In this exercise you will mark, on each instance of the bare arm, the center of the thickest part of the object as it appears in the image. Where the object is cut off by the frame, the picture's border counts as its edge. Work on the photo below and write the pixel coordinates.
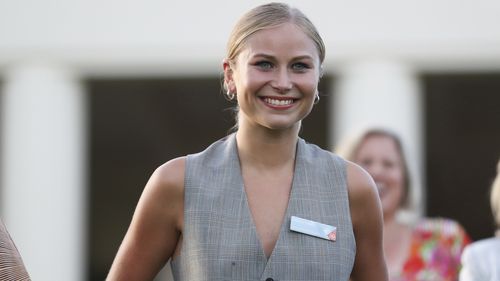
(155, 228)
(367, 221)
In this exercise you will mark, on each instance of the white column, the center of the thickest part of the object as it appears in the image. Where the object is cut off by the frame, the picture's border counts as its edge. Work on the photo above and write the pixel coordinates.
(43, 162)
(382, 93)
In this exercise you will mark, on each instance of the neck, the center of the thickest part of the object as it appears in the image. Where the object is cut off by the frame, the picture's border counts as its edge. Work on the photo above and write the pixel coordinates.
(390, 218)
(390, 222)
(392, 228)
(397, 242)
(266, 148)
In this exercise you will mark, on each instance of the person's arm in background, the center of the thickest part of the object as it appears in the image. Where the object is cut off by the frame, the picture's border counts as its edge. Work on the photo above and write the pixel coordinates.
(11, 263)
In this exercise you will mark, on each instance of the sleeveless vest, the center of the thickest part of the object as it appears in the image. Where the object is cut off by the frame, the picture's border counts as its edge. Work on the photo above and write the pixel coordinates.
(220, 240)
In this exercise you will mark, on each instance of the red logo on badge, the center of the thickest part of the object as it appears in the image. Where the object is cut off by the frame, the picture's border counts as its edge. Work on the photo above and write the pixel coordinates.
(332, 235)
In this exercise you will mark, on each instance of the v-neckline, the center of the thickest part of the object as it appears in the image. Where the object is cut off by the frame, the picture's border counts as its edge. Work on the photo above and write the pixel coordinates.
(284, 220)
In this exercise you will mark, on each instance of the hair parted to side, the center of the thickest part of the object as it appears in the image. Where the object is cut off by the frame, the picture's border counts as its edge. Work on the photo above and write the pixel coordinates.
(350, 147)
(268, 16)
(495, 197)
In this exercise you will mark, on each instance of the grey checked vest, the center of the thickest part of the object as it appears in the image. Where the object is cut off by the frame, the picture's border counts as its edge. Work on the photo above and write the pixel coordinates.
(220, 241)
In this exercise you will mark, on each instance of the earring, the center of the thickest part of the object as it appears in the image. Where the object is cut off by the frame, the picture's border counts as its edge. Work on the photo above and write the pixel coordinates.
(229, 95)
(316, 99)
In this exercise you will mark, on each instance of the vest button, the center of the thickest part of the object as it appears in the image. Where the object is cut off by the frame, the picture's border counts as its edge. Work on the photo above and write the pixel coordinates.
(269, 279)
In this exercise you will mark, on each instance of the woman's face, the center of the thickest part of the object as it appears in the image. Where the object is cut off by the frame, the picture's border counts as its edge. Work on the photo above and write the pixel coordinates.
(275, 77)
(380, 156)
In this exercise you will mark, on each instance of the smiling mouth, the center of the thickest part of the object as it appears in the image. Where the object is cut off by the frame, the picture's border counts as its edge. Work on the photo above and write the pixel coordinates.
(278, 102)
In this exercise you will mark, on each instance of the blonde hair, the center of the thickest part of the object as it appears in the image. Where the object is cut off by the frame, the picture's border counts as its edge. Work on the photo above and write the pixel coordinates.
(495, 197)
(350, 147)
(268, 16)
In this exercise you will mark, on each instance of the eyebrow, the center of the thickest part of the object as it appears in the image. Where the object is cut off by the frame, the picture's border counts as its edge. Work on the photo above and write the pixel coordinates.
(273, 57)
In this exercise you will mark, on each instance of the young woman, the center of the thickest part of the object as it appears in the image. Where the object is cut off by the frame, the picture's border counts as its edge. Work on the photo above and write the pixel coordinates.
(427, 250)
(261, 203)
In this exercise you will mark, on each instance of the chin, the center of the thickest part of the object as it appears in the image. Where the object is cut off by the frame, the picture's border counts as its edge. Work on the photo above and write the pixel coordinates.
(279, 128)
(389, 210)
(281, 125)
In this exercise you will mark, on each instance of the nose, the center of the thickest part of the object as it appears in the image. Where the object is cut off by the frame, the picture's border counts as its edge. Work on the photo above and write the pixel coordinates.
(282, 81)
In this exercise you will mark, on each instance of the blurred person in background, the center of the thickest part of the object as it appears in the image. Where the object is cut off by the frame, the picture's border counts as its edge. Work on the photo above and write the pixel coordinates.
(481, 259)
(11, 263)
(423, 249)
(227, 213)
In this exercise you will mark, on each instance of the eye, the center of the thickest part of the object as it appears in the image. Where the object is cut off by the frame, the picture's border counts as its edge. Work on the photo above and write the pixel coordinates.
(300, 66)
(365, 162)
(389, 164)
(264, 65)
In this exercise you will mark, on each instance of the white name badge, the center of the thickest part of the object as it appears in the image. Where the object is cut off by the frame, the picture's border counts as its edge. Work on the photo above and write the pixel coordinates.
(313, 228)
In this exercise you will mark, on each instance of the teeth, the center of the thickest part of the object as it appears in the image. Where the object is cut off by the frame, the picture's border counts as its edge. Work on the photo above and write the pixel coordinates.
(278, 102)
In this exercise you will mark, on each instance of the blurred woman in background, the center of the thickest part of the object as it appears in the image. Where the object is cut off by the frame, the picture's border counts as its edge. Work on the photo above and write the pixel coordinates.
(427, 249)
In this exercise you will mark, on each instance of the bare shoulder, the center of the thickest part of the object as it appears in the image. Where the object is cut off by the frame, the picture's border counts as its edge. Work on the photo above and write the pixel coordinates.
(156, 226)
(170, 176)
(165, 190)
(360, 184)
(364, 201)
(366, 214)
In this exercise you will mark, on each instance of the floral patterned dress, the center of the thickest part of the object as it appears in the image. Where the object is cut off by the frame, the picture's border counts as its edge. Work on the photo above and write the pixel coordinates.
(435, 249)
